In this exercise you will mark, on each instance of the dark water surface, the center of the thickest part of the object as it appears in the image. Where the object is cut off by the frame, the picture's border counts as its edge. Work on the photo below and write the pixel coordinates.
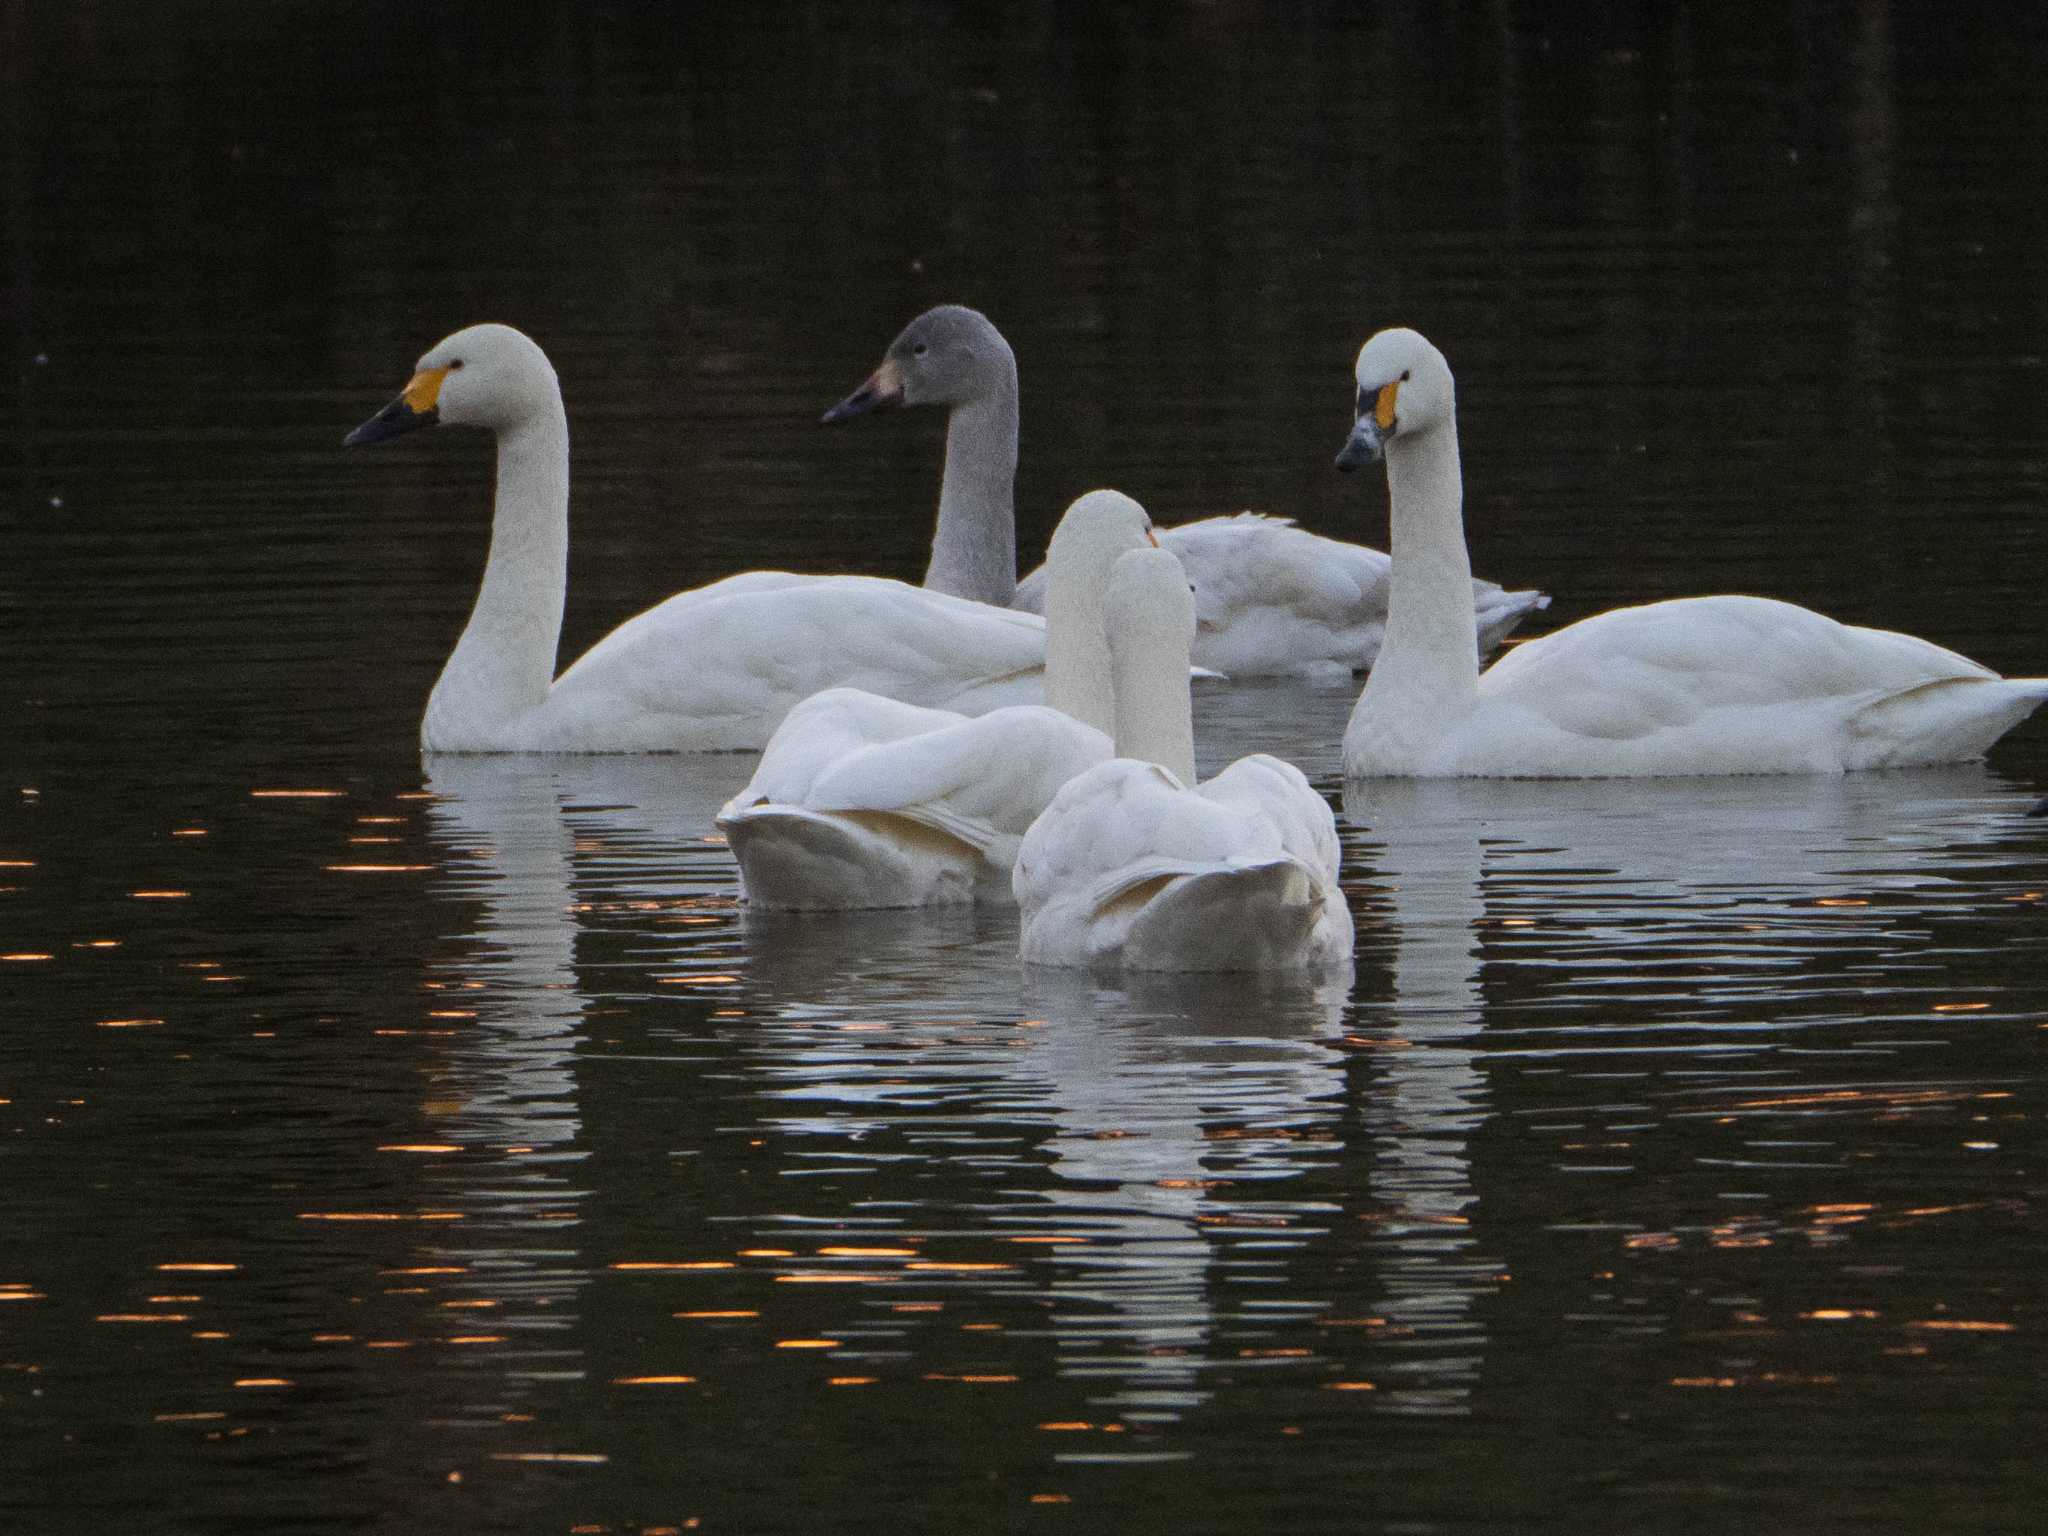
(389, 1146)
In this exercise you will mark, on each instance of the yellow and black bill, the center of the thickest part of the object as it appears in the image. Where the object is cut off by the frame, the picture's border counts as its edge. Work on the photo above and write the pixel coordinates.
(417, 405)
(880, 391)
(1376, 422)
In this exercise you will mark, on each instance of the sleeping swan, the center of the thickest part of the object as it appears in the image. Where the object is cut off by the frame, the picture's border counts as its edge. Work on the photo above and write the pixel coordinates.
(709, 670)
(1271, 599)
(861, 801)
(1698, 685)
(1135, 865)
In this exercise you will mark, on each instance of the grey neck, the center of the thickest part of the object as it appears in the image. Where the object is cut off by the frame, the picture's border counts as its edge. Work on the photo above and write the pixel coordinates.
(974, 550)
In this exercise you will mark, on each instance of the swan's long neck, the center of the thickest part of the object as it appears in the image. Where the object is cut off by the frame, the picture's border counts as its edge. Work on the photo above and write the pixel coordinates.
(1078, 679)
(974, 551)
(1427, 673)
(1154, 709)
(504, 662)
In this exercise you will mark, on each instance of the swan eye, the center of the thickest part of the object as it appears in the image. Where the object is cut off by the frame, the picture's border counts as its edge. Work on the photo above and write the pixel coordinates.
(454, 365)
(919, 350)
(1404, 375)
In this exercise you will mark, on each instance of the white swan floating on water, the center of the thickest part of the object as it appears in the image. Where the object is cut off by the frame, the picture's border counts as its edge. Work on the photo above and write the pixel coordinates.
(1700, 685)
(1271, 599)
(861, 801)
(1135, 865)
(709, 670)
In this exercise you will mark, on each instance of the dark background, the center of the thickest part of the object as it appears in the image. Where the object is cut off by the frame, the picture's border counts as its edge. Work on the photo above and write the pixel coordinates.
(1672, 1164)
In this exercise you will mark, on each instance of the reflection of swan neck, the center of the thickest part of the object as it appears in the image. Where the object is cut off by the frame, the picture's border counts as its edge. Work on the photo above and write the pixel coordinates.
(1434, 863)
(505, 660)
(974, 551)
(1427, 671)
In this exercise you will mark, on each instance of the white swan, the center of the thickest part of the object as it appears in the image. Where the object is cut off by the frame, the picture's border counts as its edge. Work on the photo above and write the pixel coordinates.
(1701, 685)
(861, 801)
(714, 669)
(1133, 864)
(1271, 599)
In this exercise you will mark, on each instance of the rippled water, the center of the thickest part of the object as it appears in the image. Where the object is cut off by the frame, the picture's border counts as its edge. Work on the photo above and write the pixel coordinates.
(389, 1145)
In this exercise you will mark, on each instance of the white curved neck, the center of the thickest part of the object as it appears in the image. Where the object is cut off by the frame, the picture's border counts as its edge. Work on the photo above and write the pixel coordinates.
(504, 662)
(974, 550)
(1426, 676)
(1078, 680)
(1154, 709)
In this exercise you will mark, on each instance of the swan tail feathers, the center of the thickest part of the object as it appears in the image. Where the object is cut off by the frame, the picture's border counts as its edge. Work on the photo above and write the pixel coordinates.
(1500, 614)
(1253, 916)
(794, 859)
(1951, 720)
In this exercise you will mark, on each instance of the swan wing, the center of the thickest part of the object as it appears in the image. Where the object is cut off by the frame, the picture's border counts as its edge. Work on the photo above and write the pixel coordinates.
(1269, 787)
(1124, 817)
(1271, 598)
(977, 777)
(1716, 685)
(1660, 666)
(861, 800)
(1126, 864)
(826, 730)
(718, 668)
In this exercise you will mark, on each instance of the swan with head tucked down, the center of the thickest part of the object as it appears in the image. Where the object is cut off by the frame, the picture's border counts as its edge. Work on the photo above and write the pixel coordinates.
(1699, 685)
(861, 801)
(1135, 865)
(709, 670)
(1271, 599)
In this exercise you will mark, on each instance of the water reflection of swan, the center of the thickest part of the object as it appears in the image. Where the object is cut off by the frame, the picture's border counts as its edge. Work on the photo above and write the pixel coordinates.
(506, 847)
(1641, 862)
(1157, 1094)
(1429, 1099)
(1759, 878)
(505, 1090)
(1154, 1092)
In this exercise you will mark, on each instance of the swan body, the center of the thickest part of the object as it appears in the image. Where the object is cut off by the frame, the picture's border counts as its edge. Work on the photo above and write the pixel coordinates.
(1271, 599)
(717, 668)
(709, 670)
(1134, 864)
(862, 801)
(1704, 685)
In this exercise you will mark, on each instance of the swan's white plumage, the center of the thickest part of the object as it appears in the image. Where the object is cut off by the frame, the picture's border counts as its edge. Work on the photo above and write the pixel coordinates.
(718, 668)
(714, 669)
(1728, 684)
(1129, 867)
(862, 801)
(1707, 685)
(1132, 866)
(1273, 599)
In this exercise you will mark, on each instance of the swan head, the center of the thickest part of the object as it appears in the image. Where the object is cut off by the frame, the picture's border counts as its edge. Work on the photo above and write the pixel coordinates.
(947, 356)
(1094, 529)
(1404, 388)
(485, 376)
